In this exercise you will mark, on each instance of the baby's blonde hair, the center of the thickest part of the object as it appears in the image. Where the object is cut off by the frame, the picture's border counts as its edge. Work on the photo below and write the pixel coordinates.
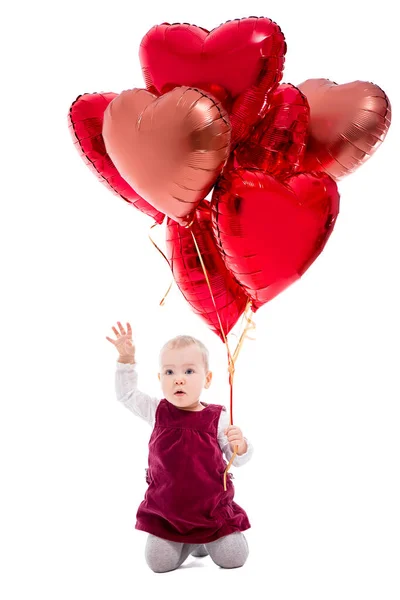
(181, 341)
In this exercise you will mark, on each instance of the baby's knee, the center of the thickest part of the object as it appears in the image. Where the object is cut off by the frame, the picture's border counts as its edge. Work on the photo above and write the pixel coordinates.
(230, 552)
(160, 563)
(234, 561)
(159, 556)
(159, 567)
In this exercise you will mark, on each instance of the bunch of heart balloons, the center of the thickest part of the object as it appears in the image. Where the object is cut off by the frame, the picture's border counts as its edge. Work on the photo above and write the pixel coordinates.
(215, 117)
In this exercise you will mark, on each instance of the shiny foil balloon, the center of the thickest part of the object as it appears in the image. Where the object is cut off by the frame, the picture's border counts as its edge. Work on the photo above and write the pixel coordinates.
(269, 232)
(239, 63)
(278, 143)
(171, 149)
(85, 120)
(348, 123)
(188, 273)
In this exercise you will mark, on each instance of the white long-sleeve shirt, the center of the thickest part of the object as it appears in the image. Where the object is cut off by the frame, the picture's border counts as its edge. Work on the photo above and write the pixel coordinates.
(144, 406)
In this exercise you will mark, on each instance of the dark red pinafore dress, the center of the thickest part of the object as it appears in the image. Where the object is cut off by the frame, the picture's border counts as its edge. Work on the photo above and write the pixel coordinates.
(185, 500)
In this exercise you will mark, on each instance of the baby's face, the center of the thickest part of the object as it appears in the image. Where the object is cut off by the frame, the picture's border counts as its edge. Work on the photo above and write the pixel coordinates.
(183, 369)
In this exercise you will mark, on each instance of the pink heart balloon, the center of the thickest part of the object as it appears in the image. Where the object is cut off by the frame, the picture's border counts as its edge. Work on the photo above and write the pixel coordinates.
(348, 123)
(85, 120)
(170, 149)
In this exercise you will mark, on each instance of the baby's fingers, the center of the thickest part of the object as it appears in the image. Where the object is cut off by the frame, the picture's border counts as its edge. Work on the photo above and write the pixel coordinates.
(122, 330)
(235, 440)
(232, 429)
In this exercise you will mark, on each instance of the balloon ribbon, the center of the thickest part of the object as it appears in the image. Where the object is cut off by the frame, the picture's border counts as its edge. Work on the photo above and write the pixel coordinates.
(231, 359)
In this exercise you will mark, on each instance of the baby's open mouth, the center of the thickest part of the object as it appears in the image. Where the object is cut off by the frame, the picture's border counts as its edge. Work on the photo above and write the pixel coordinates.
(179, 393)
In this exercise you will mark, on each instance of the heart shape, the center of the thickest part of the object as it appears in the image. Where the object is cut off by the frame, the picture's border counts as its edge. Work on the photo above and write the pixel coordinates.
(278, 143)
(170, 149)
(85, 121)
(348, 123)
(240, 61)
(269, 232)
(188, 273)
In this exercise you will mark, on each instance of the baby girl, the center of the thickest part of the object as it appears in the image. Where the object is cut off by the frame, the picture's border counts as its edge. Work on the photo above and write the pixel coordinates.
(185, 509)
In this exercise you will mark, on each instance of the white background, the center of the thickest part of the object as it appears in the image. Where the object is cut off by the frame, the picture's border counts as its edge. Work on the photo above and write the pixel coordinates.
(317, 392)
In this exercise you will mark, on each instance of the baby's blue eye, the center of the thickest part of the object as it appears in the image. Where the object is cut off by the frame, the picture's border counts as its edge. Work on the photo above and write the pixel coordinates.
(169, 371)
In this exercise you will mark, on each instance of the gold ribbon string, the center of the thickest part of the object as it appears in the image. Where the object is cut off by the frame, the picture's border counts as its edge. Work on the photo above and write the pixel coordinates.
(250, 325)
(231, 360)
(162, 253)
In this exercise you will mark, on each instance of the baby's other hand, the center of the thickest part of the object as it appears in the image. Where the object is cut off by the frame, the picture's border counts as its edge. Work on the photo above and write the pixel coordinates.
(236, 438)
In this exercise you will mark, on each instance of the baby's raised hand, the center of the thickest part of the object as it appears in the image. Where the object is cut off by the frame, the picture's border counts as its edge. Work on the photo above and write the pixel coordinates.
(123, 343)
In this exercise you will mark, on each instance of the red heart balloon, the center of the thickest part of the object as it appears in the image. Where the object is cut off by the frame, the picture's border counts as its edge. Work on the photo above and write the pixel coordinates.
(85, 121)
(269, 232)
(188, 273)
(240, 61)
(278, 143)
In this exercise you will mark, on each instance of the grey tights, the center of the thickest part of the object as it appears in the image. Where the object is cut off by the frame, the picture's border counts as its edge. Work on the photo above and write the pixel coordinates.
(228, 552)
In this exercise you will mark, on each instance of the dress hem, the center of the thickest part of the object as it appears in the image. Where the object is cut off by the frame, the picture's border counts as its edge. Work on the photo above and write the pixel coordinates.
(192, 539)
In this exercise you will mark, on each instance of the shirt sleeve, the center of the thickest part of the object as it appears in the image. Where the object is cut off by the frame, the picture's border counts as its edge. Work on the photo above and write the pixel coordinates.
(225, 445)
(142, 405)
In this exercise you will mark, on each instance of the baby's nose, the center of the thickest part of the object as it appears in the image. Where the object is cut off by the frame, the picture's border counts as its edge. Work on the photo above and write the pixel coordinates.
(179, 379)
